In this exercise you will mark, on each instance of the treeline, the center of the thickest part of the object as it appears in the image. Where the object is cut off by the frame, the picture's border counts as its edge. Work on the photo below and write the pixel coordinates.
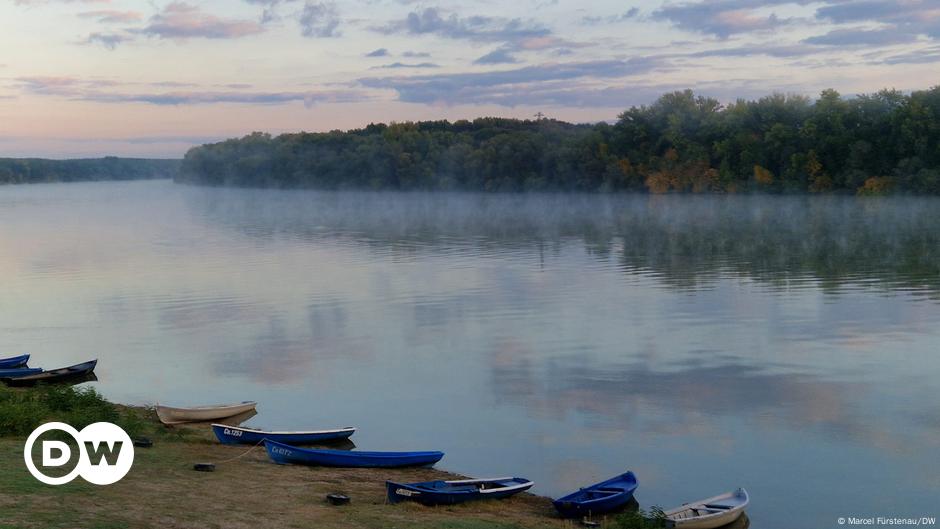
(37, 170)
(870, 144)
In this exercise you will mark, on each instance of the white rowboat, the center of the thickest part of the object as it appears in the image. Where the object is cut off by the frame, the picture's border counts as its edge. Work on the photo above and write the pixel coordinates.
(709, 513)
(171, 415)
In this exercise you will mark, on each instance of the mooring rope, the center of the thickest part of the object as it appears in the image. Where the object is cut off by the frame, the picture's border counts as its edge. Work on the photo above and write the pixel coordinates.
(243, 454)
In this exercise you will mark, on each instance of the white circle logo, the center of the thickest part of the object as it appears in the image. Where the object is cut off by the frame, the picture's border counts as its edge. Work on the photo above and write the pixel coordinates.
(105, 453)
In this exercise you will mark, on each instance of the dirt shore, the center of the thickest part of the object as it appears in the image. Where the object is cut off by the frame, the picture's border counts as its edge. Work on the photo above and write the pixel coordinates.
(163, 491)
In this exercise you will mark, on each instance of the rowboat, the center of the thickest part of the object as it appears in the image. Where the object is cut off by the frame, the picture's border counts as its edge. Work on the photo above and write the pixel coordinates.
(14, 362)
(19, 372)
(54, 376)
(459, 491)
(600, 498)
(709, 513)
(232, 435)
(283, 454)
(170, 415)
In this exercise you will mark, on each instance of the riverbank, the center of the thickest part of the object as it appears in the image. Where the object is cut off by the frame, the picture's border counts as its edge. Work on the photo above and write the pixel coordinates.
(162, 491)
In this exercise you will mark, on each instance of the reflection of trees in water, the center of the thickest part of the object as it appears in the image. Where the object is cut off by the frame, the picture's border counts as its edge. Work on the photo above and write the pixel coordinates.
(684, 240)
(835, 240)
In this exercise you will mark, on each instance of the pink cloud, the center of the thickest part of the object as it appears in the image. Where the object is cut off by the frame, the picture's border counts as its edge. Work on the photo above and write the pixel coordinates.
(180, 20)
(111, 16)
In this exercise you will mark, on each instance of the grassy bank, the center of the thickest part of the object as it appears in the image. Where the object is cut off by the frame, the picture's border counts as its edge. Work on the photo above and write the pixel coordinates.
(162, 490)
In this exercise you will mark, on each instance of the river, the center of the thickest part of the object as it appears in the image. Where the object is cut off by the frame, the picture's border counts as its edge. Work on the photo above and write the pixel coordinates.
(785, 344)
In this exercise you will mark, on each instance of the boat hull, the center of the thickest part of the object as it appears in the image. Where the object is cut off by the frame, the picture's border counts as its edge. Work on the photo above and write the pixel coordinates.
(453, 492)
(14, 362)
(284, 454)
(710, 513)
(600, 498)
(19, 372)
(233, 435)
(78, 372)
(169, 415)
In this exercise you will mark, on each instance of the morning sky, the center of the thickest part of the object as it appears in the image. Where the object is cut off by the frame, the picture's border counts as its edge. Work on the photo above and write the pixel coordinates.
(154, 77)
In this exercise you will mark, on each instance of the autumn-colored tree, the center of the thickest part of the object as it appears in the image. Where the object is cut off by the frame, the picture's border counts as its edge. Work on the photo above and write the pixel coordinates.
(707, 181)
(625, 166)
(763, 176)
(819, 181)
(876, 186)
(658, 183)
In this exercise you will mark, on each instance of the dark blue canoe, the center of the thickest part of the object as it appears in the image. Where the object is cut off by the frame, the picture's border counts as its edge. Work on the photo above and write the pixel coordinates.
(14, 362)
(459, 491)
(600, 498)
(19, 372)
(283, 454)
(233, 435)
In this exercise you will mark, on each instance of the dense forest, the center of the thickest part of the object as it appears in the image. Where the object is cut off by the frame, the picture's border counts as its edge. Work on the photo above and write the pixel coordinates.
(869, 144)
(37, 170)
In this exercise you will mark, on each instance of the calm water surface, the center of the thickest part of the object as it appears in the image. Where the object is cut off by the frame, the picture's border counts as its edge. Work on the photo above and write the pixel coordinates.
(788, 345)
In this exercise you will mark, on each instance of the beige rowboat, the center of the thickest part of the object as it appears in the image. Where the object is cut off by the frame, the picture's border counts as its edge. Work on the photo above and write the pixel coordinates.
(709, 513)
(171, 415)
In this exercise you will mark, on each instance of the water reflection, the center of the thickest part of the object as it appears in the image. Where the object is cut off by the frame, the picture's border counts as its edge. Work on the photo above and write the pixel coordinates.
(685, 241)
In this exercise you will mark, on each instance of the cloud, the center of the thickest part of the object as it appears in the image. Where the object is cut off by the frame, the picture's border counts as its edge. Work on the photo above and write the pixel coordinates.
(416, 54)
(41, 2)
(497, 56)
(431, 21)
(108, 40)
(95, 90)
(180, 20)
(112, 16)
(722, 18)
(922, 56)
(862, 37)
(868, 10)
(633, 12)
(413, 65)
(269, 9)
(381, 52)
(777, 51)
(516, 35)
(48, 85)
(203, 98)
(526, 85)
(914, 16)
(319, 20)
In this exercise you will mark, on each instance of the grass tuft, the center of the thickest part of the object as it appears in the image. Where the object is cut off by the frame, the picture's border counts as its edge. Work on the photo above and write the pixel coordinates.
(652, 519)
(23, 410)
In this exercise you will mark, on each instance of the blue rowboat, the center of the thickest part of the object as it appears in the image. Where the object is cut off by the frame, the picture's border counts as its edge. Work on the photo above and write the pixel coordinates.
(14, 362)
(19, 372)
(283, 454)
(72, 374)
(459, 491)
(600, 498)
(233, 435)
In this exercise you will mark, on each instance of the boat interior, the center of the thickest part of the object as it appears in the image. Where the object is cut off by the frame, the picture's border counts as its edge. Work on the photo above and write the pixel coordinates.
(695, 511)
(594, 494)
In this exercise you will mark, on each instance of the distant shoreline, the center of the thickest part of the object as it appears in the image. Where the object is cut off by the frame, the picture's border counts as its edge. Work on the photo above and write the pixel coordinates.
(874, 144)
(43, 170)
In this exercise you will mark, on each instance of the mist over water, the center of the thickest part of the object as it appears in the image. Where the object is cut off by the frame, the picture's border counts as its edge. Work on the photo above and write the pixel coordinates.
(784, 344)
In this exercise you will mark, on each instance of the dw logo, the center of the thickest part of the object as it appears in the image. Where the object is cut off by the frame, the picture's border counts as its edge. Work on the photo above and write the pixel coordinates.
(105, 453)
